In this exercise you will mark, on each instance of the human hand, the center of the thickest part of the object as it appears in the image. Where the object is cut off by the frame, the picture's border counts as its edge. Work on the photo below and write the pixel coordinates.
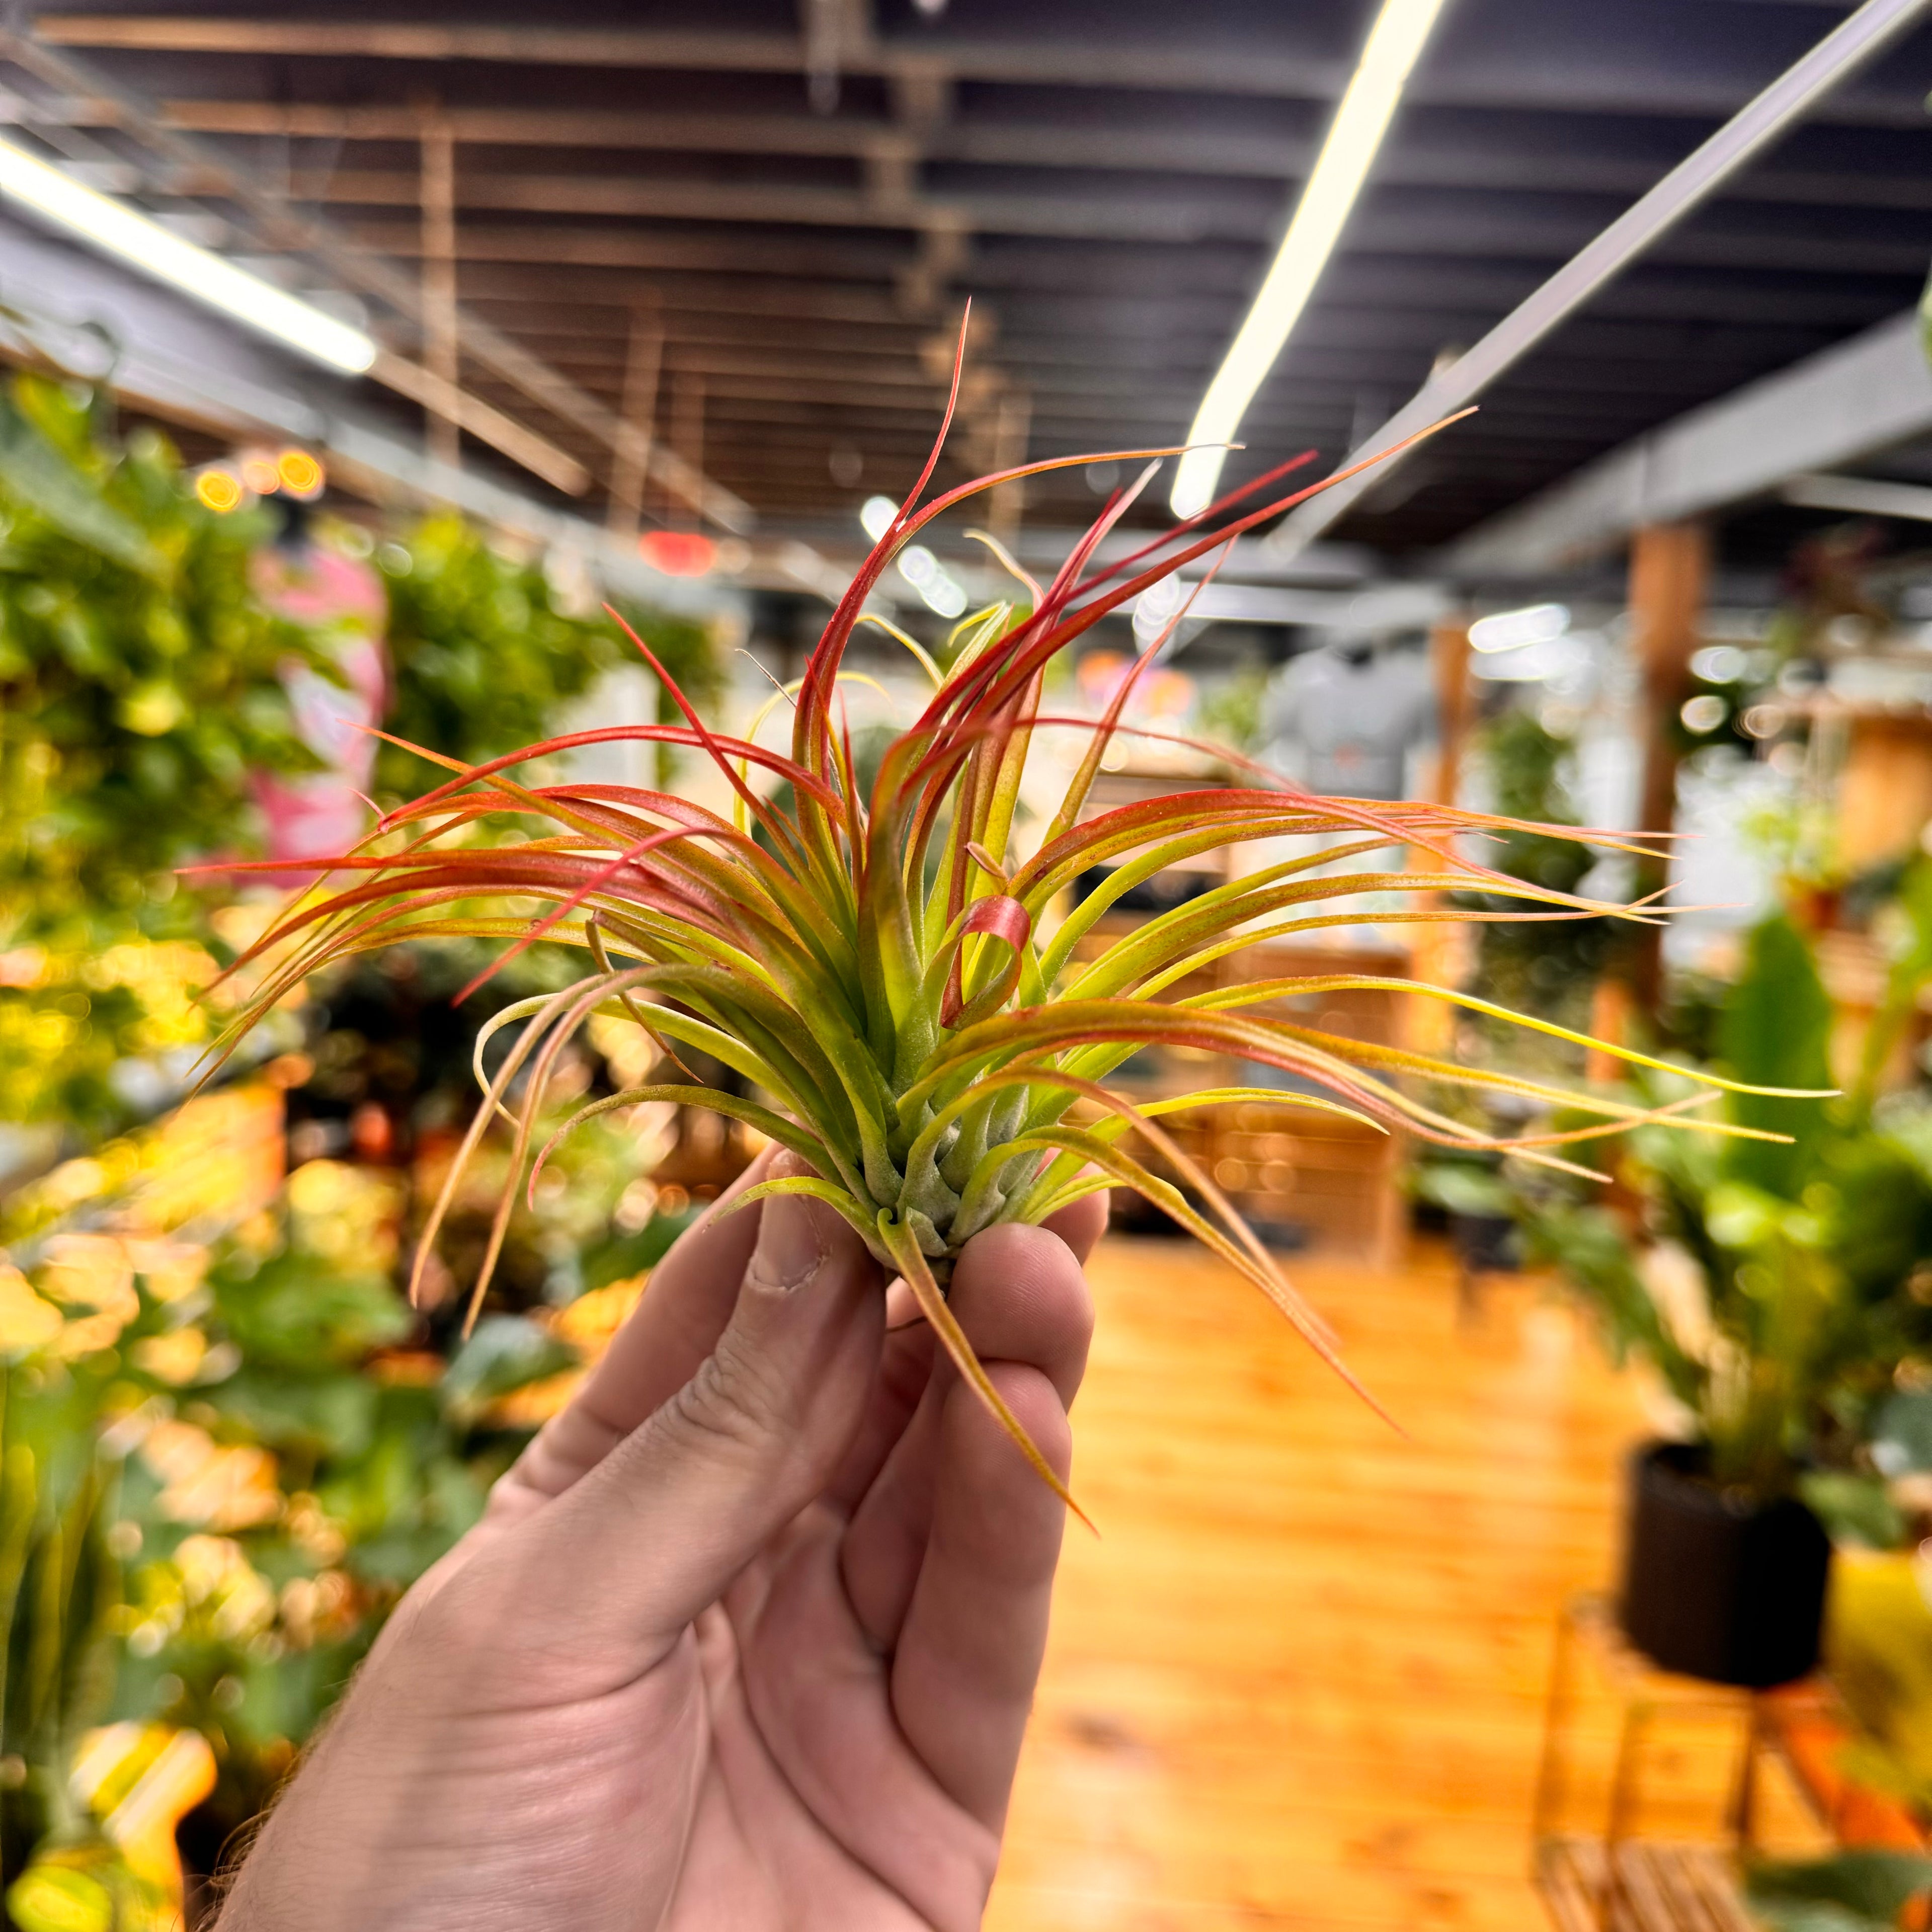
(748, 1637)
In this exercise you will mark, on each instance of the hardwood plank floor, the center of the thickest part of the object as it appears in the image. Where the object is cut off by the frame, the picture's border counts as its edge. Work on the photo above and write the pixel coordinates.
(1297, 1680)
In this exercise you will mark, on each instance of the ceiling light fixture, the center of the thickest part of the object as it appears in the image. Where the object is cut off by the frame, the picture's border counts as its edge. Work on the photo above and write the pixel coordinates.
(1394, 44)
(120, 229)
(1510, 630)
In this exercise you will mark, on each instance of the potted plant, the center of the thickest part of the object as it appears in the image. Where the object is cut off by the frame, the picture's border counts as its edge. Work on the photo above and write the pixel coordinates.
(1770, 1283)
(1546, 968)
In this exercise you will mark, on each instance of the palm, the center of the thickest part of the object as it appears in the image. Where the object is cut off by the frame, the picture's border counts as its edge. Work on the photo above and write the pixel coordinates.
(824, 1736)
(798, 1823)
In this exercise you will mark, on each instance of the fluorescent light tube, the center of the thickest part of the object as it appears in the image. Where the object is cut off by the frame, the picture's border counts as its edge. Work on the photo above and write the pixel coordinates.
(1394, 44)
(121, 230)
(1511, 630)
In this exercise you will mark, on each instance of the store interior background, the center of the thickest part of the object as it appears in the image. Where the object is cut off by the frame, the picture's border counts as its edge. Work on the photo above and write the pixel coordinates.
(667, 300)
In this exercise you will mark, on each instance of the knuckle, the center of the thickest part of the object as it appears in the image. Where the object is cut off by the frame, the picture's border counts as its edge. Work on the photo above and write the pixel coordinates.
(1037, 1406)
(733, 1401)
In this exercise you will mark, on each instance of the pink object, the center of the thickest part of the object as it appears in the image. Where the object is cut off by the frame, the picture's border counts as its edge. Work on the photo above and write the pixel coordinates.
(311, 814)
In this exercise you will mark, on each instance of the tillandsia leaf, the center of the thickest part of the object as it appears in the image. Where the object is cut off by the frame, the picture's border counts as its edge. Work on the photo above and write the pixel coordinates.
(917, 1272)
(919, 993)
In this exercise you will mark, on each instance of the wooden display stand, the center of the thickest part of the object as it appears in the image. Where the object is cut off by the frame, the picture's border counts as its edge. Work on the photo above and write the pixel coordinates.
(1336, 1183)
(1777, 1755)
(1302, 1177)
(1884, 787)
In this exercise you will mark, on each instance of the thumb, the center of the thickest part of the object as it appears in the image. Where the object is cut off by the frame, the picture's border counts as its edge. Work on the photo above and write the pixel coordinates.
(666, 1519)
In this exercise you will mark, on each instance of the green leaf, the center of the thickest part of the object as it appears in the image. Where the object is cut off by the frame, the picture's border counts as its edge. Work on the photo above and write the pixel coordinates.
(31, 468)
(1901, 1433)
(1853, 1508)
(329, 1415)
(620, 1256)
(1774, 1031)
(1853, 1889)
(505, 1353)
(1462, 1188)
(58, 1898)
(298, 1312)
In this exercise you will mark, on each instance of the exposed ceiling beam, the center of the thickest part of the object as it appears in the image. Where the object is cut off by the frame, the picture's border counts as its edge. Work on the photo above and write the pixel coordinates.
(1831, 410)
(1174, 335)
(1057, 288)
(755, 302)
(1369, 297)
(1167, 220)
(1058, 366)
(1386, 227)
(554, 243)
(1275, 159)
(1095, 62)
(1091, 60)
(1485, 236)
(1860, 496)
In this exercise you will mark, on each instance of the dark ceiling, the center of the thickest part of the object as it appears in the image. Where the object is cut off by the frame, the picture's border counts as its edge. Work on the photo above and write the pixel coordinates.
(797, 197)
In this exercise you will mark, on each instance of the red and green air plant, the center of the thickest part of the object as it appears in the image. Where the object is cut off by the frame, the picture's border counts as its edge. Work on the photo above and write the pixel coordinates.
(883, 968)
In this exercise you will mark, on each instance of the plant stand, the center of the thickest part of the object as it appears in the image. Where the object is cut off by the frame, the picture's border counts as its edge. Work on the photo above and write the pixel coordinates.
(1621, 1876)
(1643, 1885)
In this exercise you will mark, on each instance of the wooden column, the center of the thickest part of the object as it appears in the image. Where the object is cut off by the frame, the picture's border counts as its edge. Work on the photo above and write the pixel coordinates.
(643, 362)
(1439, 954)
(1669, 577)
(441, 356)
(1449, 658)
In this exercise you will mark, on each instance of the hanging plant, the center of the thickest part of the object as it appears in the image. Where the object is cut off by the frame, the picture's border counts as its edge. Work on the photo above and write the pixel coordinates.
(875, 961)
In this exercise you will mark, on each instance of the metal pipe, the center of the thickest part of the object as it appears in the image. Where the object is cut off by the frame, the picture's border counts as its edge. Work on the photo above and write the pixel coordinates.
(1835, 59)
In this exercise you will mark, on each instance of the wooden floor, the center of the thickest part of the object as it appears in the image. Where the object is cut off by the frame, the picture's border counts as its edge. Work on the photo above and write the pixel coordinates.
(1296, 1681)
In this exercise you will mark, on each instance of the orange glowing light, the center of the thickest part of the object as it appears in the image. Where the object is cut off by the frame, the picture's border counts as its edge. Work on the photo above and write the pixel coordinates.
(260, 475)
(301, 474)
(220, 490)
(678, 553)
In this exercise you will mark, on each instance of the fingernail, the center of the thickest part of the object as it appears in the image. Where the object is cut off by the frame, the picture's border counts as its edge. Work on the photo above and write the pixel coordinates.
(789, 1250)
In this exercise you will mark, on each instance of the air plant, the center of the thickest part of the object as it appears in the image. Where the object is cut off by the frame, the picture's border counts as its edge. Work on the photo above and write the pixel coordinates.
(882, 966)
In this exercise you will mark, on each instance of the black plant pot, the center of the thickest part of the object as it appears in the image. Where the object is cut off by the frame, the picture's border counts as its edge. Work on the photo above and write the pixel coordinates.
(1484, 1243)
(1717, 1586)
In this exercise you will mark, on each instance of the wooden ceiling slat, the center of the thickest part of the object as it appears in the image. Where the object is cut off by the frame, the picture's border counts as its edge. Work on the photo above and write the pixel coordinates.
(1280, 162)
(1307, 56)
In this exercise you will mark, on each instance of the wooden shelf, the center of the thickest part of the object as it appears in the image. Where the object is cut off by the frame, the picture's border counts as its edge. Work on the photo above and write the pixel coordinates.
(1644, 1885)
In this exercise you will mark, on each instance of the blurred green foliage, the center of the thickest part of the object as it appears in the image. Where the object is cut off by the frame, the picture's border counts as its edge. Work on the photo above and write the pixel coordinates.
(139, 688)
(483, 654)
(214, 1487)
(1855, 1890)
(1546, 968)
(59, 1588)
(138, 669)
(216, 1493)
(1232, 708)
(1777, 1288)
